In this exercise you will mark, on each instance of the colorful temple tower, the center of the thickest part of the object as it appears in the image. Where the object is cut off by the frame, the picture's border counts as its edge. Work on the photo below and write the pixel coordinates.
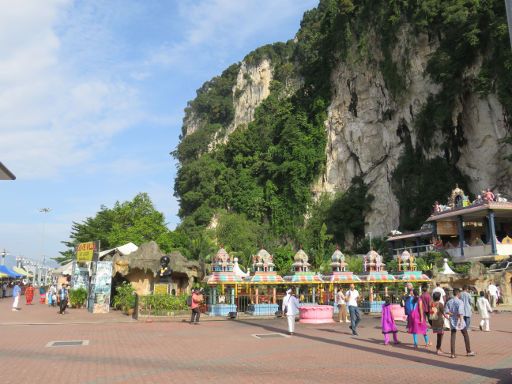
(222, 282)
(265, 278)
(303, 276)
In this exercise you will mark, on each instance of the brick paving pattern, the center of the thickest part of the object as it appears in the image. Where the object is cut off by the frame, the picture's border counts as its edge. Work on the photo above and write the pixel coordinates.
(122, 350)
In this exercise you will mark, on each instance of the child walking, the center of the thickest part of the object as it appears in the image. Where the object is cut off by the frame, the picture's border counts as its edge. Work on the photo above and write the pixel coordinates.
(437, 317)
(484, 308)
(388, 322)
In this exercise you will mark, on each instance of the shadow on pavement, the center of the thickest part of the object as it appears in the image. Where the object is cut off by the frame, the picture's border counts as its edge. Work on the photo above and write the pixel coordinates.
(503, 375)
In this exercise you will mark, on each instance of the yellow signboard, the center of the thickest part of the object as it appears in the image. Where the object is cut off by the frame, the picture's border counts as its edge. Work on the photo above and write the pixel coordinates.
(161, 289)
(85, 251)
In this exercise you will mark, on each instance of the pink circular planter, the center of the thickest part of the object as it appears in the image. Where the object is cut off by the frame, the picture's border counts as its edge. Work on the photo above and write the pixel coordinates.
(316, 314)
(398, 312)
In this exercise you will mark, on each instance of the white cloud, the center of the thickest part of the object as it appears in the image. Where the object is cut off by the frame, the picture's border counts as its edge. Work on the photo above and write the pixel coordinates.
(53, 115)
(222, 25)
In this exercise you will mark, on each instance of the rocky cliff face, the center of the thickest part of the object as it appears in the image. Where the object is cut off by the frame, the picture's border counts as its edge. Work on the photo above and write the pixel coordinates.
(363, 124)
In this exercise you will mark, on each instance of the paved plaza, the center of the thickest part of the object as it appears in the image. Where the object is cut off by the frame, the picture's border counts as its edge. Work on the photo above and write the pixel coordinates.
(121, 350)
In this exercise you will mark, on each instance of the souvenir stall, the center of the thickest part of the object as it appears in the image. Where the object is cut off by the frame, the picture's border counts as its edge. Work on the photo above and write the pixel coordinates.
(223, 284)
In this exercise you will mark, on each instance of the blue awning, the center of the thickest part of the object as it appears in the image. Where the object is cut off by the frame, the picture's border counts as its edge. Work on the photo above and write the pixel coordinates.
(9, 272)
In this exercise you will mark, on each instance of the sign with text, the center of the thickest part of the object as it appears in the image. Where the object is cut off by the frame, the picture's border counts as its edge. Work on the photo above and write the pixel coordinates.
(87, 252)
(447, 228)
(161, 289)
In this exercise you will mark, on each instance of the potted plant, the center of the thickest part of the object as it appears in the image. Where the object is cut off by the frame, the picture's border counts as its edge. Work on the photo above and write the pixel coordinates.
(77, 297)
(124, 298)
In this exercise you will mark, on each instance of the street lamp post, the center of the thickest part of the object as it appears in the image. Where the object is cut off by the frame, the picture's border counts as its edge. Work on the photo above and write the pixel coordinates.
(4, 253)
(45, 211)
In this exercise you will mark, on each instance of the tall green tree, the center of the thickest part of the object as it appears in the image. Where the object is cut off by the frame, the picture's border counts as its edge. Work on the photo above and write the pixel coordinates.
(135, 221)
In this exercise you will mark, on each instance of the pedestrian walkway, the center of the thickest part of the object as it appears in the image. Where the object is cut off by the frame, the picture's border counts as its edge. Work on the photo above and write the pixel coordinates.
(119, 350)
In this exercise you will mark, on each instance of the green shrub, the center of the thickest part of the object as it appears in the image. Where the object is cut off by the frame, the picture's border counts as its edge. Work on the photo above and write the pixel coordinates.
(125, 297)
(164, 303)
(77, 297)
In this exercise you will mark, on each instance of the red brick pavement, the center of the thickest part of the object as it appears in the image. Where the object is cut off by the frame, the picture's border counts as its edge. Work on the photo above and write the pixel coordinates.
(125, 351)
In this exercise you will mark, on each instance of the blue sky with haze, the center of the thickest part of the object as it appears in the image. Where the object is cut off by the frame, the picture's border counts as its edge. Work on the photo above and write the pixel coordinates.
(92, 96)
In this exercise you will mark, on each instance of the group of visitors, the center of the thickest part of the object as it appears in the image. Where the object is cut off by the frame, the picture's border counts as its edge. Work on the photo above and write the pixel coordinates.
(53, 297)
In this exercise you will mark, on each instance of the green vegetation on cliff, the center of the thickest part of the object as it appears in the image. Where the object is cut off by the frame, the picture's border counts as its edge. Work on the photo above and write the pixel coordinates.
(263, 174)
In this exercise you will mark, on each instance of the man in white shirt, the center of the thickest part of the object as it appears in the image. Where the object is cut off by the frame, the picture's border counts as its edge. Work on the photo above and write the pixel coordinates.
(291, 307)
(493, 294)
(351, 298)
(441, 291)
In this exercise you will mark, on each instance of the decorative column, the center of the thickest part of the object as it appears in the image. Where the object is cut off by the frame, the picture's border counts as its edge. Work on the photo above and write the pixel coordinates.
(460, 222)
(297, 292)
(210, 296)
(434, 228)
(214, 295)
(232, 296)
(386, 290)
(492, 232)
(256, 296)
(313, 291)
(371, 294)
(274, 295)
(417, 247)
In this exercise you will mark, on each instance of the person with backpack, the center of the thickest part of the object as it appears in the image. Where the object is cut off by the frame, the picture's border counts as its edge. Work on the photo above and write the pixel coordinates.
(194, 302)
(437, 317)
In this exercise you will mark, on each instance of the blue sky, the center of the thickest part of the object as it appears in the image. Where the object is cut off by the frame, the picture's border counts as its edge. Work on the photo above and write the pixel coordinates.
(92, 96)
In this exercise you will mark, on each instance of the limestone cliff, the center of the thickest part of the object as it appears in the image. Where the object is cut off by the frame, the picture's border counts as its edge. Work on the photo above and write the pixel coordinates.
(396, 93)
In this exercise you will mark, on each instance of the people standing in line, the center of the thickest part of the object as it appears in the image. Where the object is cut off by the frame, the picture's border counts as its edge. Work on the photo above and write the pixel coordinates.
(437, 317)
(29, 294)
(484, 308)
(63, 298)
(16, 293)
(342, 307)
(417, 323)
(387, 322)
(466, 298)
(493, 294)
(427, 301)
(351, 297)
(291, 308)
(455, 309)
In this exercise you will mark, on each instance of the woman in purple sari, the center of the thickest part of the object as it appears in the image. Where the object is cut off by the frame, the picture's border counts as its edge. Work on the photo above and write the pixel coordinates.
(388, 322)
(417, 323)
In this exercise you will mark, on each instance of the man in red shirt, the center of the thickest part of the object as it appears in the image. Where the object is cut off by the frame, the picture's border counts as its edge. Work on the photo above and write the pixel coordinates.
(197, 299)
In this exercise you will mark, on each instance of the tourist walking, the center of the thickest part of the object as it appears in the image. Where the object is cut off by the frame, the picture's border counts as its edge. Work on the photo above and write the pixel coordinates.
(351, 297)
(29, 294)
(197, 299)
(484, 308)
(291, 308)
(416, 321)
(442, 300)
(455, 309)
(437, 317)
(493, 294)
(427, 301)
(63, 298)
(387, 322)
(42, 295)
(52, 295)
(16, 293)
(4, 289)
(466, 298)
(342, 307)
